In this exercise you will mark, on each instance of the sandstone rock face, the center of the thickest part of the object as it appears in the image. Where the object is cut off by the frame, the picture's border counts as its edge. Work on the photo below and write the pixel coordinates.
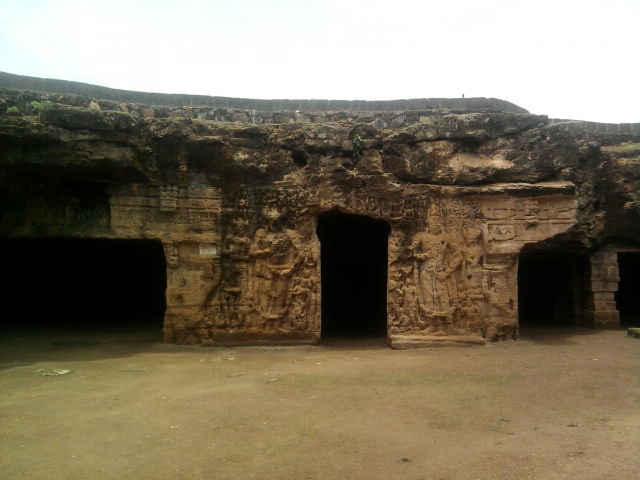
(236, 203)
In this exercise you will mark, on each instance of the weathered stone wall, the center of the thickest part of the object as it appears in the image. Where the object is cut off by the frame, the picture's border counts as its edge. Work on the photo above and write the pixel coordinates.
(246, 268)
(235, 206)
(378, 114)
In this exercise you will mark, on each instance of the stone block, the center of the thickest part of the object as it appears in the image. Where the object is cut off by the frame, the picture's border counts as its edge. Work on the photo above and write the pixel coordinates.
(602, 286)
(603, 297)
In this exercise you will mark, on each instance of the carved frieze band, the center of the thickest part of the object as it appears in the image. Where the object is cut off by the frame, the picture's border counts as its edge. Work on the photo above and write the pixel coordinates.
(157, 206)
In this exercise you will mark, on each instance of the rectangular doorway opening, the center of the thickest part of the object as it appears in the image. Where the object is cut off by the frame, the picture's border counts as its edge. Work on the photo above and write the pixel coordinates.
(628, 294)
(354, 275)
(551, 289)
(83, 284)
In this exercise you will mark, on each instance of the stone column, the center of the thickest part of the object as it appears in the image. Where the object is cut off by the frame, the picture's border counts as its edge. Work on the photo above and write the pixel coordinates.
(601, 310)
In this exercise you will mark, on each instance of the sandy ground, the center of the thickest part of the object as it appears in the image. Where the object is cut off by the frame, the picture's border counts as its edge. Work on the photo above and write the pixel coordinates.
(561, 404)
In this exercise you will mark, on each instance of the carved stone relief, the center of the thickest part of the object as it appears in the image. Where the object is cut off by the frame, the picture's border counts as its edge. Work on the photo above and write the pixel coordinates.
(270, 281)
(247, 267)
(456, 276)
(234, 205)
(438, 274)
(165, 211)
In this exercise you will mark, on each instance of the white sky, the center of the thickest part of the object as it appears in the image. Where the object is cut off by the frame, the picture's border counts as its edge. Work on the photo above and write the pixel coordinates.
(563, 58)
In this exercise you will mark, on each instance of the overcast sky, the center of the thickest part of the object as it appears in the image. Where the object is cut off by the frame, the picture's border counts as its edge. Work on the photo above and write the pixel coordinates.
(563, 58)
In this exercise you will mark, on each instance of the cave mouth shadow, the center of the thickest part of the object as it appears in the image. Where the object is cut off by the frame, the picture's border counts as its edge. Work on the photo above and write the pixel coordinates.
(552, 289)
(69, 294)
(628, 294)
(354, 267)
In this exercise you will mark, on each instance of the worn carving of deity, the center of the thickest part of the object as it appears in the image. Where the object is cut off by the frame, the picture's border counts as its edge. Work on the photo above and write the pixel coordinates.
(436, 259)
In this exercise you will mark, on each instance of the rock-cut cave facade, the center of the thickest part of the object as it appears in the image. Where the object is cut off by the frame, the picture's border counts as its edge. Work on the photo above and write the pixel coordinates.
(465, 191)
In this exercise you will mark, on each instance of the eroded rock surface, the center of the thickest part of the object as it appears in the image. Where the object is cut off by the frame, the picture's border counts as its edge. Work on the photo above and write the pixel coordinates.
(235, 204)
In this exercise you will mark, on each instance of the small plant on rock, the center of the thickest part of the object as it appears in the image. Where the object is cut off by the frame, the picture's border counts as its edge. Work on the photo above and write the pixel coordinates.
(13, 111)
(38, 107)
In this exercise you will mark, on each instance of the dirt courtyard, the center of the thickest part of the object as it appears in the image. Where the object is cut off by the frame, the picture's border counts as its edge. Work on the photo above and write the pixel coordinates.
(558, 404)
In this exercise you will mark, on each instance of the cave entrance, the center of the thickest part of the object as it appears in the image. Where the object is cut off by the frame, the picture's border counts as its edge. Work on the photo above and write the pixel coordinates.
(82, 284)
(354, 275)
(628, 294)
(552, 288)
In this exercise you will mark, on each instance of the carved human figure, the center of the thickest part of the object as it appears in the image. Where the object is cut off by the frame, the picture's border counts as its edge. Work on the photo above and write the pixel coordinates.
(473, 251)
(394, 296)
(284, 260)
(226, 288)
(236, 242)
(259, 271)
(274, 258)
(403, 307)
(302, 302)
(436, 259)
(409, 298)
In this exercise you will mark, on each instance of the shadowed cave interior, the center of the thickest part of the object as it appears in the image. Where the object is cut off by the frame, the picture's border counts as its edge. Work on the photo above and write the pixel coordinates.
(83, 283)
(628, 294)
(551, 288)
(354, 275)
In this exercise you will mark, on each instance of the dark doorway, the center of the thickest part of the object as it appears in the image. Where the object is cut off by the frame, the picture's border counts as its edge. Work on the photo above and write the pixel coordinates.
(628, 295)
(551, 288)
(354, 275)
(82, 284)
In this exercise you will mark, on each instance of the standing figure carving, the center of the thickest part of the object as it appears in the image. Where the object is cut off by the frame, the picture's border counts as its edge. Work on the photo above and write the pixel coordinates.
(436, 259)
(234, 251)
(274, 257)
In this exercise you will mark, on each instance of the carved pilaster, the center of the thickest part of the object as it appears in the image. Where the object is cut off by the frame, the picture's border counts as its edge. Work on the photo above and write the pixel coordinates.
(601, 311)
